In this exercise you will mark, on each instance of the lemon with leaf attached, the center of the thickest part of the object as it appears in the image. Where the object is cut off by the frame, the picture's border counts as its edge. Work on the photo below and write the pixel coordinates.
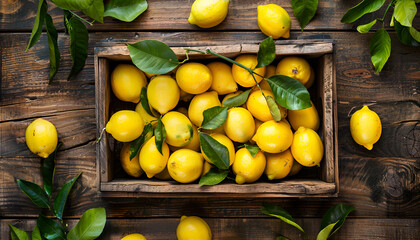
(242, 76)
(41, 137)
(199, 104)
(225, 141)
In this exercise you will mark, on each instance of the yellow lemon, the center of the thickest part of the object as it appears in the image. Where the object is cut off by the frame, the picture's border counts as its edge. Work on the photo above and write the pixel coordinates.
(185, 165)
(194, 144)
(134, 236)
(295, 67)
(179, 130)
(365, 127)
(273, 21)
(163, 93)
(258, 107)
(206, 168)
(41, 137)
(273, 137)
(164, 175)
(208, 13)
(311, 79)
(151, 160)
(147, 118)
(193, 228)
(239, 125)
(278, 165)
(127, 82)
(296, 167)
(125, 125)
(131, 167)
(248, 169)
(199, 104)
(242, 76)
(304, 118)
(307, 147)
(194, 78)
(225, 141)
(223, 82)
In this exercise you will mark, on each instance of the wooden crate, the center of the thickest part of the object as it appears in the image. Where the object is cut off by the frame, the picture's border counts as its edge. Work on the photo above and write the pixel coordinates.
(323, 94)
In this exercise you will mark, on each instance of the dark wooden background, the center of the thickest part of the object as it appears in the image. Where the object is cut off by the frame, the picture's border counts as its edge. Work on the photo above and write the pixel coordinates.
(382, 184)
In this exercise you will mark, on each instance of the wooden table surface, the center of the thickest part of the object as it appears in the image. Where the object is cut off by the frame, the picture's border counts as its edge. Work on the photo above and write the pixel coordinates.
(382, 184)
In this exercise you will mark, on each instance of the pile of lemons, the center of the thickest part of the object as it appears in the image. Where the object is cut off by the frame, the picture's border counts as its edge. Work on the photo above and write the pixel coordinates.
(179, 100)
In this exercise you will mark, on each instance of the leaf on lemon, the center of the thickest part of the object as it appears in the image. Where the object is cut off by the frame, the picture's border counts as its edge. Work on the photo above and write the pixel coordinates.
(160, 135)
(237, 100)
(289, 92)
(274, 108)
(215, 151)
(213, 176)
(214, 117)
(266, 52)
(136, 145)
(253, 150)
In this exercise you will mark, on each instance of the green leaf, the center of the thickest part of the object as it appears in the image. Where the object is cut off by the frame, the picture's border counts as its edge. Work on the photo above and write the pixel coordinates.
(39, 21)
(336, 215)
(17, 234)
(95, 10)
(289, 92)
(304, 11)
(213, 177)
(50, 229)
(237, 100)
(37, 195)
(380, 49)
(266, 52)
(144, 102)
(61, 198)
(366, 27)
(404, 35)
(214, 117)
(48, 171)
(136, 145)
(52, 46)
(153, 57)
(90, 225)
(252, 149)
(160, 135)
(79, 42)
(215, 151)
(274, 108)
(325, 232)
(125, 10)
(405, 11)
(366, 6)
(415, 34)
(36, 234)
(73, 4)
(278, 212)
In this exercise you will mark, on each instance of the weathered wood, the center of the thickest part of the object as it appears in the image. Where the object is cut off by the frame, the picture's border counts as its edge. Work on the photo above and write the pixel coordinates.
(245, 228)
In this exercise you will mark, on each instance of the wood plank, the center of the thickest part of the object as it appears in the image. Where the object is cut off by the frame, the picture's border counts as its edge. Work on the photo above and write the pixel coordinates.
(173, 15)
(244, 228)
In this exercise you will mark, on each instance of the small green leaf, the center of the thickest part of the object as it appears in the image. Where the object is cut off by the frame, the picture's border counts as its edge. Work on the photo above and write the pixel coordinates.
(36, 234)
(153, 57)
(366, 27)
(37, 195)
(252, 149)
(266, 52)
(237, 100)
(73, 4)
(214, 117)
(61, 198)
(325, 232)
(415, 34)
(90, 225)
(125, 10)
(405, 11)
(215, 151)
(274, 108)
(95, 10)
(136, 145)
(144, 101)
(336, 215)
(366, 6)
(380, 49)
(79, 42)
(278, 212)
(160, 135)
(48, 171)
(52, 46)
(289, 92)
(404, 35)
(17, 234)
(50, 229)
(213, 177)
(304, 11)
(39, 21)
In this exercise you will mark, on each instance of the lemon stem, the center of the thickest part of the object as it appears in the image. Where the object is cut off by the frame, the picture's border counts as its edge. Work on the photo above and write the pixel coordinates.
(100, 136)
(187, 57)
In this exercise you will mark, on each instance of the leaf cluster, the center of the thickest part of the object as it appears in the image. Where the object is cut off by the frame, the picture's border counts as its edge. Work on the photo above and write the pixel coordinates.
(89, 227)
